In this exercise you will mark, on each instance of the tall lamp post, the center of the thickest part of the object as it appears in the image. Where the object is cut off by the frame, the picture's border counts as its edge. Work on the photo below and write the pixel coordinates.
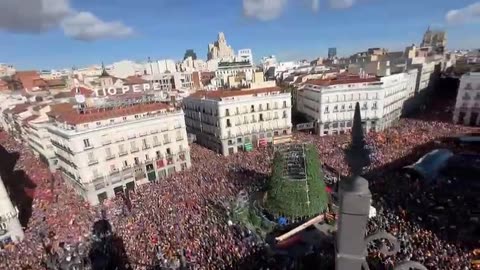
(355, 199)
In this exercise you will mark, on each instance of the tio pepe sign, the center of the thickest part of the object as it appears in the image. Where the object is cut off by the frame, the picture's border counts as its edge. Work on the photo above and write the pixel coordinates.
(135, 88)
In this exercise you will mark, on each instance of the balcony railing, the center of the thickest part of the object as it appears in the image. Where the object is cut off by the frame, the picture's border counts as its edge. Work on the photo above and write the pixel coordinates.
(134, 150)
(114, 172)
(167, 141)
(179, 138)
(122, 153)
(155, 144)
(146, 146)
(110, 157)
(92, 162)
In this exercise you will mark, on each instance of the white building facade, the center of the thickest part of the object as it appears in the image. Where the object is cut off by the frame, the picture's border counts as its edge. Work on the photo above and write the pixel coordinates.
(230, 121)
(107, 152)
(331, 103)
(467, 106)
(234, 74)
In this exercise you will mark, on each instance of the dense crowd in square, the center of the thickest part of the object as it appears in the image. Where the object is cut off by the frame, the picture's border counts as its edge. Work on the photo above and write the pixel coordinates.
(177, 220)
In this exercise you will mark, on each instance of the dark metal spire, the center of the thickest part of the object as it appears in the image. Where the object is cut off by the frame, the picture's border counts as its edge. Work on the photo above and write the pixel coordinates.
(357, 155)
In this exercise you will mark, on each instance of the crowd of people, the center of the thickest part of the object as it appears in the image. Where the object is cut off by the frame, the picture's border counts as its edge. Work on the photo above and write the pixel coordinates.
(178, 218)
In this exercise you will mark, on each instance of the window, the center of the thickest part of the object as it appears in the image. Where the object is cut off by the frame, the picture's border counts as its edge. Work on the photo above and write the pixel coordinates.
(468, 86)
(228, 123)
(343, 107)
(227, 112)
(252, 108)
(466, 97)
(335, 108)
(121, 148)
(124, 118)
(350, 107)
(374, 105)
(99, 123)
(275, 115)
(159, 155)
(147, 157)
(133, 145)
(108, 152)
(284, 104)
(165, 138)
(261, 117)
(95, 173)
(91, 157)
(285, 115)
(136, 161)
(268, 106)
(125, 163)
(169, 152)
(239, 140)
(86, 143)
(155, 140)
(326, 109)
(144, 143)
(112, 121)
(237, 111)
(245, 119)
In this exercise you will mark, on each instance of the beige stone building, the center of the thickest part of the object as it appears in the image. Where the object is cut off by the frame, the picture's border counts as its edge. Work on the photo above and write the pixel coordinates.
(220, 49)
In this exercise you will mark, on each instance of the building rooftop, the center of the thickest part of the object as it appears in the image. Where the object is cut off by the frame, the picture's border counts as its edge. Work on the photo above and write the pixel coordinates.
(70, 115)
(131, 80)
(19, 108)
(343, 80)
(220, 94)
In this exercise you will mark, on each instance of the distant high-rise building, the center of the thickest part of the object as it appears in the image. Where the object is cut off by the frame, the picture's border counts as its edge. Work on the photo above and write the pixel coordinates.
(435, 39)
(332, 52)
(220, 49)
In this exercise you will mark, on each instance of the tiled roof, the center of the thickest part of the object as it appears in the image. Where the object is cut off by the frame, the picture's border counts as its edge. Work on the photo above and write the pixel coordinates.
(19, 108)
(342, 80)
(72, 116)
(218, 95)
(55, 82)
(130, 80)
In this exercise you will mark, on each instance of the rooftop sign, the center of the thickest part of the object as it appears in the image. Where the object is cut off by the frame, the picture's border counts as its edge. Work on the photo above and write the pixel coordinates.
(134, 88)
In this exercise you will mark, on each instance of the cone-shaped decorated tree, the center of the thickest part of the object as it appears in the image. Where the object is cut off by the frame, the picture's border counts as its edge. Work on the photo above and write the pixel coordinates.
(293, 198)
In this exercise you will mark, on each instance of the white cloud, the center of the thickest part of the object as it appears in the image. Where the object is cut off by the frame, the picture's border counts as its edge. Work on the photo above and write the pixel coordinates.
(315, 5)
(467, 14)
(32, 16)
(341, 3)
(263, 10)
(86, 26)
(36, 16)
(266, 10)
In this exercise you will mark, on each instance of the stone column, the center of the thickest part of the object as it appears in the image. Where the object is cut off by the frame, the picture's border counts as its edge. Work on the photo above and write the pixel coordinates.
(10, 225)
(354, 205)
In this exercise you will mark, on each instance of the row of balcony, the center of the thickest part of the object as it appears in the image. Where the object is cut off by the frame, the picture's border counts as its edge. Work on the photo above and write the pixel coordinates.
(144, 147)
(112, 156)
(254, 132)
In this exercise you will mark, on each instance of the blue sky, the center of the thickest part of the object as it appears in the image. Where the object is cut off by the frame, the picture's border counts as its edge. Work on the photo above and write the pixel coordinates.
(166, 28)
